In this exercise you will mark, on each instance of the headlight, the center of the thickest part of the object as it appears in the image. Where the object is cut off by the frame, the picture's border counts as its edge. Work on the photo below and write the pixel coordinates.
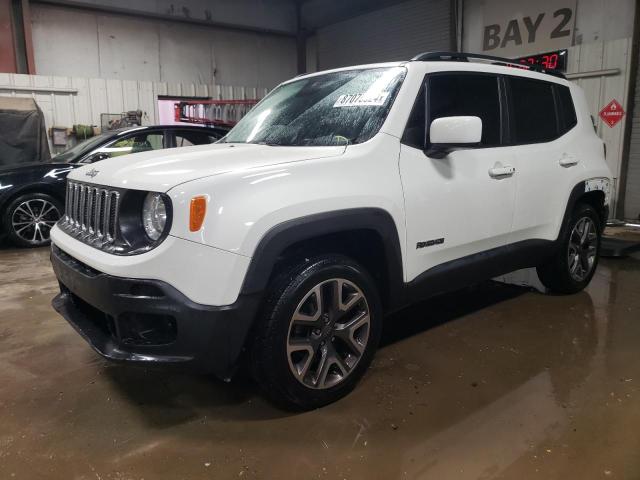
(154, 215)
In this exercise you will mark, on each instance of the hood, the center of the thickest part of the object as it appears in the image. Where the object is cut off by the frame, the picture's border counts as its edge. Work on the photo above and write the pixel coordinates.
(33, 167)
(162, 170)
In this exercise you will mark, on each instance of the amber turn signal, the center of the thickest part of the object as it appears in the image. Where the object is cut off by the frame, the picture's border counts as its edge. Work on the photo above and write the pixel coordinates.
(197, 212)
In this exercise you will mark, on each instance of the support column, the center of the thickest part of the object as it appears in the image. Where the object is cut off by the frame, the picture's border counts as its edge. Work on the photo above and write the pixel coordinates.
(7, 43)
(301, 40)
(16, 47)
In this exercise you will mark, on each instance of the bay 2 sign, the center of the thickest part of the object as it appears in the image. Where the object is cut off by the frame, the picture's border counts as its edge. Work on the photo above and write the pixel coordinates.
(518, 27)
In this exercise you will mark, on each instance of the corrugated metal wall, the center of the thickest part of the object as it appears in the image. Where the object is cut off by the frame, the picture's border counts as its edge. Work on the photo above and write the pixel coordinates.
(394, 33)
(66, 101)
(632, 192)
(601, 69)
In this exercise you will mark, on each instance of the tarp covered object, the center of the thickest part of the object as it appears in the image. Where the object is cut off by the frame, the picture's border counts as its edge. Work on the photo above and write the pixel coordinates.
(23, 136)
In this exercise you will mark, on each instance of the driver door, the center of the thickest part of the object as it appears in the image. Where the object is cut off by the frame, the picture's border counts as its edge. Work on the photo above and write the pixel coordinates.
(455, 207)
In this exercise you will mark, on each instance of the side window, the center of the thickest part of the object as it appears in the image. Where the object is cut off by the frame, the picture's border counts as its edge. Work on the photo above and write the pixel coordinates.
(533, 115)
(141, 142)
(185, 138)
(477, 95)
(415, 129)
(567, 110)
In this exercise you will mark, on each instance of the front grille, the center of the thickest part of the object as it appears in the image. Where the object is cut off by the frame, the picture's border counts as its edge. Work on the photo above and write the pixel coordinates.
(91, 213)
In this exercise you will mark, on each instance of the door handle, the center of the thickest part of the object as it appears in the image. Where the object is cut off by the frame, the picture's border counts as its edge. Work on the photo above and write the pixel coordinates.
(568, 160)
(501, 172)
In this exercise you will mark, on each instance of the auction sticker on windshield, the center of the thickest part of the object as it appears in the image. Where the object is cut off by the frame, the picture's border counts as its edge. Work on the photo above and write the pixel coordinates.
(361, 100)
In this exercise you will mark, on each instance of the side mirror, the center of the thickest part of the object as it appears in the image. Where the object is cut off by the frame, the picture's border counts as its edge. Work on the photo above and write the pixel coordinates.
(96, 157)
(448, 133)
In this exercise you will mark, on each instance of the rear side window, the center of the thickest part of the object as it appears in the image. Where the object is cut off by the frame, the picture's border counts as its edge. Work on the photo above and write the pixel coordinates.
(533, 112)
(477, 95)
(567, 110)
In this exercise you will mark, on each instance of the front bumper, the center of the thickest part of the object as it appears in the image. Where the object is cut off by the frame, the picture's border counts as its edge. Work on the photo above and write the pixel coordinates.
(149, 321)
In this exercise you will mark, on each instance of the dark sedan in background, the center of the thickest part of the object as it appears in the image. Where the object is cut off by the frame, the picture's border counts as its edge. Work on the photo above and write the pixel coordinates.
(32, 195)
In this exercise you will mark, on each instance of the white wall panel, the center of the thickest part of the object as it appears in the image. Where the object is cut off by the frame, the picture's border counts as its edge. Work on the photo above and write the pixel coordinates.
(81, 100)
(71, 42)
(99, 102)
(398, 32)
(65, 44)
(128, 48)
(186, 52)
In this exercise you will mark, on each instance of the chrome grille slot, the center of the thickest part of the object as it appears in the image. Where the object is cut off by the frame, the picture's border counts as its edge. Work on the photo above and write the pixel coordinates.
(91, 214)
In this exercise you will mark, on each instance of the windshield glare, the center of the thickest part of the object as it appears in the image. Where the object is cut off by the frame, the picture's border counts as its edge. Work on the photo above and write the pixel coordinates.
(338, 108)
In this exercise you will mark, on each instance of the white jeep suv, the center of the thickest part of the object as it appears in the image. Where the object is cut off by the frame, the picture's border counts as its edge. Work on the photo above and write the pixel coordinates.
(342, 196)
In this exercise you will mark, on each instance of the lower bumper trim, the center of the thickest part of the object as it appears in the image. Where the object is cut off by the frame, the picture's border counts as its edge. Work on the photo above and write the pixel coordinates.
(116, 316)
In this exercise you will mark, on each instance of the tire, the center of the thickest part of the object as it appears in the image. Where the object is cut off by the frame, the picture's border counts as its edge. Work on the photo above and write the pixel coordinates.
(29, 218)
(287, 354)
(573, 265)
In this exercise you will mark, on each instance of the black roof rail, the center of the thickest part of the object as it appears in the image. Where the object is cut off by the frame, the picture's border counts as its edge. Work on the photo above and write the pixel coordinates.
(465, 57)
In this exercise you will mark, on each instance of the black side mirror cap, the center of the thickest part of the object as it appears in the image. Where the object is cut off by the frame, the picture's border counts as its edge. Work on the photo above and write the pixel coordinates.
(437, 151)
(441, 150)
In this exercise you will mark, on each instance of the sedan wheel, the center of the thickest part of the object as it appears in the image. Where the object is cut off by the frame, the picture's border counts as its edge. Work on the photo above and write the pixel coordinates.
(31, 219)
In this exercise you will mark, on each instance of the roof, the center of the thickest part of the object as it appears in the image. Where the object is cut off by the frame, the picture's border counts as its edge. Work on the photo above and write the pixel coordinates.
(457, 57)
(483, 59)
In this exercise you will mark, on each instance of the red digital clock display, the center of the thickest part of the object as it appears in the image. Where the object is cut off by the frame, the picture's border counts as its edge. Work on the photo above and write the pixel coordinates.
(549, 61)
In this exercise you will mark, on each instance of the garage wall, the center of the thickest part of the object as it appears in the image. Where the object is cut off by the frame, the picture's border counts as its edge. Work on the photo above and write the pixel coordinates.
(66, 101)
(100, 45)
(398, 32)
(632, 192)
(612, 60)
(278, 15)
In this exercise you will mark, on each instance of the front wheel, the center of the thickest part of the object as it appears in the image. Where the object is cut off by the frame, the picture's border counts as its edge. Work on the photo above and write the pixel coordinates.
(574, 264)
(29, 219)
(318, 334)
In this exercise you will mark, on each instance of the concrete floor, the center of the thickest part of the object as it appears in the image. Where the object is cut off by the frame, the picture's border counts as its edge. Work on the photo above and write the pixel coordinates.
(494, 382)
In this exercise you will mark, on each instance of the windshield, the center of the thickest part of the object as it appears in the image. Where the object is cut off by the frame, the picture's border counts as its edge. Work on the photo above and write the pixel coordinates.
(82, 148)
(338, 108)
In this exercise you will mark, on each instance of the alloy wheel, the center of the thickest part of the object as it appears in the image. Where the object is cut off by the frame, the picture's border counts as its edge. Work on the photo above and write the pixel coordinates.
(582, 249)
(328, 333)
(32, 220)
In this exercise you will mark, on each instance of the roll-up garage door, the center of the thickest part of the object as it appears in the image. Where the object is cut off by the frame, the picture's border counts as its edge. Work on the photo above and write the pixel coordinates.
(632, 191)
(393, 33)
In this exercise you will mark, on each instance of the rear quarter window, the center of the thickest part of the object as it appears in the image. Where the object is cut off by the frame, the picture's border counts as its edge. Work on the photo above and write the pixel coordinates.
(566, 107)
(533, 111)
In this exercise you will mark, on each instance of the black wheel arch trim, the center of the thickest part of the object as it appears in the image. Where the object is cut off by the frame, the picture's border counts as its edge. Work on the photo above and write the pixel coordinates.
(291, 232)
(578, 192)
